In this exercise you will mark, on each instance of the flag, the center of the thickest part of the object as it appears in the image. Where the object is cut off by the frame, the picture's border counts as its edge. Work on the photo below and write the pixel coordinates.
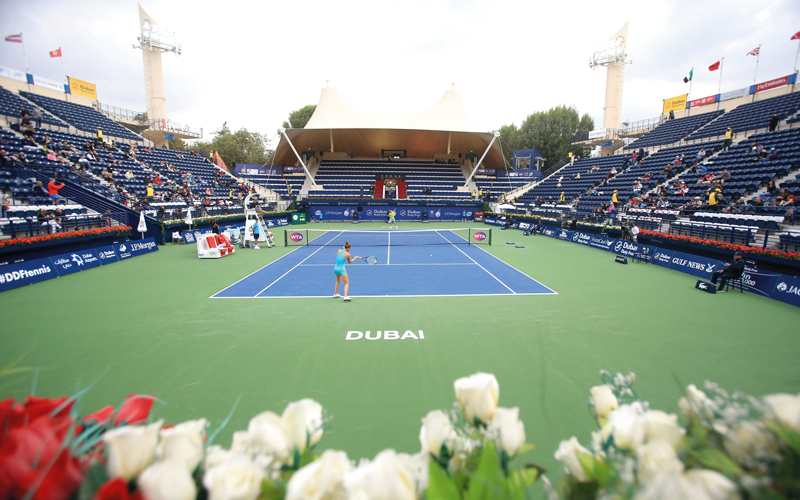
(55, 53)
(189, 216)
(755, 51)
(714, 66)
(689, 78)
(14, 38)
(142, 224)
(796, 36)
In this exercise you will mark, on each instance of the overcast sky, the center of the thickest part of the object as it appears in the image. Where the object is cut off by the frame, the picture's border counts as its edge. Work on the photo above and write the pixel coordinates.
(252, 63)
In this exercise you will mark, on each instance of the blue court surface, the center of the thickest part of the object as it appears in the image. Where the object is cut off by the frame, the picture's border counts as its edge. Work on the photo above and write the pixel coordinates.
(410, 264)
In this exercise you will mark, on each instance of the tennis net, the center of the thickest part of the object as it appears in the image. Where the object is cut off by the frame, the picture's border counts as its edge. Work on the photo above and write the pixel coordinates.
(333, 237)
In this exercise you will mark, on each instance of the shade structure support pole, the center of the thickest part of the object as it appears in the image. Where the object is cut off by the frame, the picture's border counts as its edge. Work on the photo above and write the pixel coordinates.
(477, 165)
(449, 135)
(299, 158)
(331, 132)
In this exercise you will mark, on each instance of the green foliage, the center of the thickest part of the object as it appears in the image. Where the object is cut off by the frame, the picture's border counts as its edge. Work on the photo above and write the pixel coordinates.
(439, 485)
(178, 145)
(549, 132)
(299, 117)
(241, 146)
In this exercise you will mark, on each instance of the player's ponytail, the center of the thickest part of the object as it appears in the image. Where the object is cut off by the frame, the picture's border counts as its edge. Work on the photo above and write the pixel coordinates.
(347, 245)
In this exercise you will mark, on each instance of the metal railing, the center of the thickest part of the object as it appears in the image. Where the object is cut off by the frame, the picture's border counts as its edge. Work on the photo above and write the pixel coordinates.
(171, 126)
(649, 123)
(33, 226)
(116, 112)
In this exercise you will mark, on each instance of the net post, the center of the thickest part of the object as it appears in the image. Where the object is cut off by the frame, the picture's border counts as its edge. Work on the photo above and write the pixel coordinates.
(469, 236)
(308, 242)
(490, 236)
(285, 238)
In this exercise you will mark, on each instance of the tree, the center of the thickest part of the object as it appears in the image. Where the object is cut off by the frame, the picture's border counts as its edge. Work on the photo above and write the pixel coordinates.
(178, 145)
(299, 117)
(508, 141)
(241, 146)
(549, 132)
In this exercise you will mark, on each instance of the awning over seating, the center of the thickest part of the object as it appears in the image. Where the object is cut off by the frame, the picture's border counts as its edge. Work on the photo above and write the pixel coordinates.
(338, 126)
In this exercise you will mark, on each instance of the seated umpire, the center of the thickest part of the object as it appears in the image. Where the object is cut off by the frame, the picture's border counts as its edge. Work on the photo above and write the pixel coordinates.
(733, 270)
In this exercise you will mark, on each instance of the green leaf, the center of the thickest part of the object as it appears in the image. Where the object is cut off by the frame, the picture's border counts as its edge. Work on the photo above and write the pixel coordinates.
(439, 485)
(524, 476)
(787, 434)
(525, 448)
(460, 480)
(95, 477)
(485, 482)
(271, 490)
(716, 460)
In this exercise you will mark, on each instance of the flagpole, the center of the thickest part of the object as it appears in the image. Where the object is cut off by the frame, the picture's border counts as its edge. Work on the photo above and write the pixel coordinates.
(63, 71)
(795, 63)
(689, 95)
(758, 56)
(22, 41)
(719, 89)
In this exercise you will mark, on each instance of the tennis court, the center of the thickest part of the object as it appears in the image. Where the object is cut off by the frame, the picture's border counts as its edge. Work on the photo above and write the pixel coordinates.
(416, 263)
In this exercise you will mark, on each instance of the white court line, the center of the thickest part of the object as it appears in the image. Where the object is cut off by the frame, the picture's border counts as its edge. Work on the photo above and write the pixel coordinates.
(382, 296)
(473, 260)
(409, 264)
(292, 269)
(257, 270)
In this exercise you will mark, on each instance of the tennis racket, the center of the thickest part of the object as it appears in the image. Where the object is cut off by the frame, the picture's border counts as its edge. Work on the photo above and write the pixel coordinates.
(370, 260)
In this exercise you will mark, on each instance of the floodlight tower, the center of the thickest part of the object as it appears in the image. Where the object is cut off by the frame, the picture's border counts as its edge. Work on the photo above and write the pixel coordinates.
(612, 56)
(154, 41)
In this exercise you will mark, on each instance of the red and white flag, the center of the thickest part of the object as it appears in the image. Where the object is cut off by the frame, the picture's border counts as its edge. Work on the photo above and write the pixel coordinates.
(55, 53)
(754, 52)
(796, 36)
(14, 38)
(714, 66)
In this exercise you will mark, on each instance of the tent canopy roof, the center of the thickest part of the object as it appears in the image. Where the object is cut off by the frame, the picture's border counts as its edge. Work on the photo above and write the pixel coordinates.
(338, 126)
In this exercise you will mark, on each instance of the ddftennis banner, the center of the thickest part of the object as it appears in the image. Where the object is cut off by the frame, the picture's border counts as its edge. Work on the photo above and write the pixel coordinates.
(33, 271)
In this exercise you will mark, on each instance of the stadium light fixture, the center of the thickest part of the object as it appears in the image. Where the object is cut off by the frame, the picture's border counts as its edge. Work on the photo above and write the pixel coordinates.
(156, 38)
(613, 53)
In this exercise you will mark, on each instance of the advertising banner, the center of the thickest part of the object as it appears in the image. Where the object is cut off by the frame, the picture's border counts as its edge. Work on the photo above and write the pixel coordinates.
(520, 173)
(44, 82)
(135, 248)
(788, 290)
(676, 103)
(14, 74)
(278, 221)
(189, 237)
(596, 134)
(293, 170)
(298, 218)
(253, 169)
(82, 89)
(631, 249)
(486, 171)
(778, 82)
(25, 273)
(702, 102)
(702, 267)
(760, 282)
(107, 255)
(69, 263)
(662, 257)
(733, 94)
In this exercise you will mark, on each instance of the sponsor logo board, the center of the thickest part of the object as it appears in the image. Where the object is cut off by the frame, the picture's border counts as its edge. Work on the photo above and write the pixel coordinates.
(77, 261)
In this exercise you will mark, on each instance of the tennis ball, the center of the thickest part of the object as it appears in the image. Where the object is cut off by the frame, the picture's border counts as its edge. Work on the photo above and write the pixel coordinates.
(431, 255)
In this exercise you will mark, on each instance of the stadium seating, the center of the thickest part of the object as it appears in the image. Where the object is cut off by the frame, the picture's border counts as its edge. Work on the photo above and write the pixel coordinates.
(751, 116)
(10, 105)
(673, 131)
(82, 117)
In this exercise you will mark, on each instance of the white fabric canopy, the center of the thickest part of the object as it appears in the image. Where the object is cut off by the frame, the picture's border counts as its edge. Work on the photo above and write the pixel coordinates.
(362, 133)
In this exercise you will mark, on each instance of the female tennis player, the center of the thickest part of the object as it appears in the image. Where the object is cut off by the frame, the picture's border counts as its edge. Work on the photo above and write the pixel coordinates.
(342, 258)
(391, 220)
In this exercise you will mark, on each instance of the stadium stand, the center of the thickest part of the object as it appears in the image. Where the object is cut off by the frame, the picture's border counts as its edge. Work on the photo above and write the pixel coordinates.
(11, 104)
(288, 185)
(673, 131)
(82, 117)
(750, 116)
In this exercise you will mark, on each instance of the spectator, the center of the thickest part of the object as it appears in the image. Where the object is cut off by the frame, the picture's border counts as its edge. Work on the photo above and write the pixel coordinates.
(37, 115)
(4, 206)
(772, 188)
(733, 270)
(635, 232)
(724, 176)
(773, 122)
(728, 139)
(52, 189)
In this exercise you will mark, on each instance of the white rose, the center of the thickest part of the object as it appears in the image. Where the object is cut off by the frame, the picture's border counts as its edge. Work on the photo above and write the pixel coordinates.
(713, 484)
(661, 426)
(436, 431)
(265, 434)
(184, 443)
(656, 458)
(508, 430)
(302, 423)
(604, 400)
(385, 478)
(417, 466)
(567, 454)
(477, 396)
(321, 479)
(627, 425)
(240, 442)
(696, 403)
(167, 480)
(785, 408)
(215, 455)
(749, 443)
(235, 479)
(130, 449)
(694, 484)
